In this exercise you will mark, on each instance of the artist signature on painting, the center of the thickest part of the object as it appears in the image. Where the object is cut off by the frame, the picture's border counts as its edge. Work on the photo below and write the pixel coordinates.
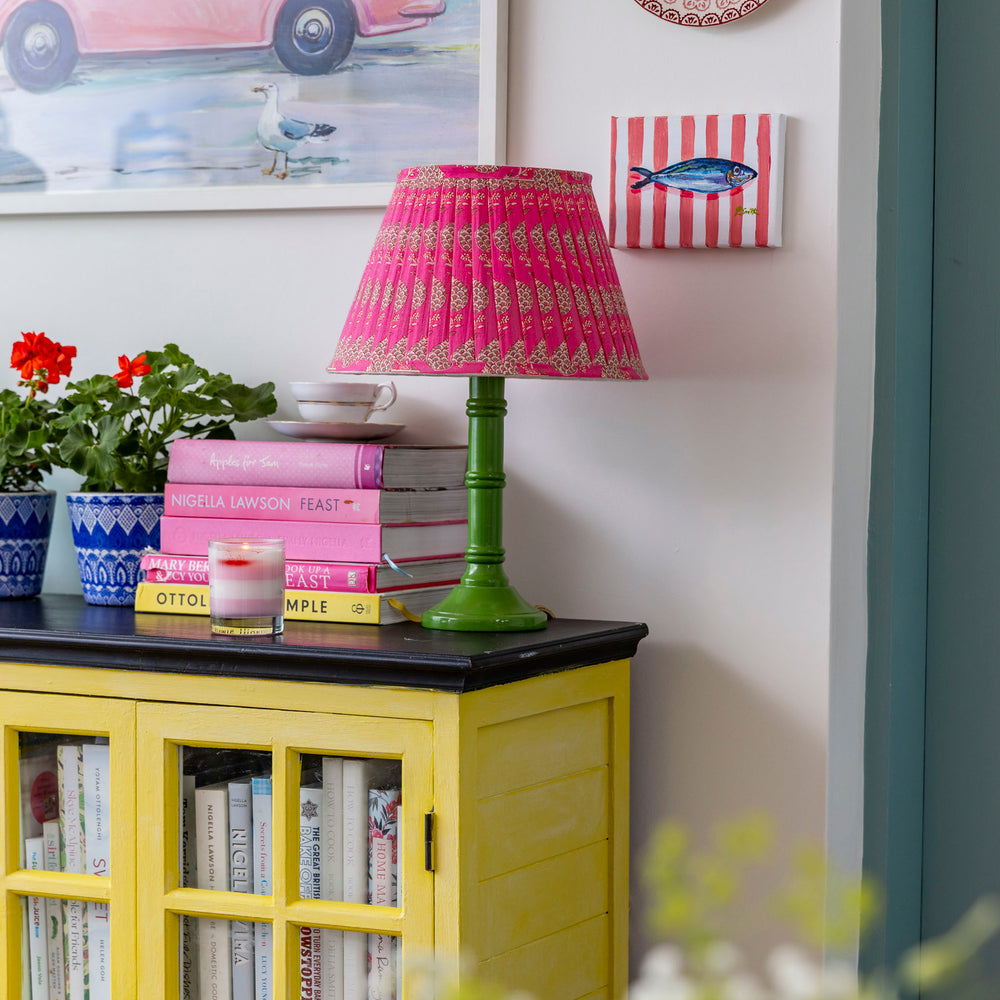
(745, 211)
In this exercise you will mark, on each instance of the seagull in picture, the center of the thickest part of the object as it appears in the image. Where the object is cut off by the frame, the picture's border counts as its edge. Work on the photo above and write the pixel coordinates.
(280, 134)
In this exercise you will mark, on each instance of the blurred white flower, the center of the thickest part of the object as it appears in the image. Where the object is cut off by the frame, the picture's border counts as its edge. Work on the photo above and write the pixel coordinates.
(794, 974)
(661, 976)
(662, 962)
(675, 989)
(743, 986)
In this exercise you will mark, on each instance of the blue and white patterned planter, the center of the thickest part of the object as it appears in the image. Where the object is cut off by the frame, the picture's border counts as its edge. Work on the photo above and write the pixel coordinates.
(110, 532)
(25, 526)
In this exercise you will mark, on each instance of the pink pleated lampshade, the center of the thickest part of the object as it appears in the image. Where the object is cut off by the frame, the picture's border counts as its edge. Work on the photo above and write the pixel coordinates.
(490, 270)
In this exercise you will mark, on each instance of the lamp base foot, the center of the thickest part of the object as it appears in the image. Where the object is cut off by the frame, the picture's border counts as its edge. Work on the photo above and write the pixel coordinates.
(484, 609)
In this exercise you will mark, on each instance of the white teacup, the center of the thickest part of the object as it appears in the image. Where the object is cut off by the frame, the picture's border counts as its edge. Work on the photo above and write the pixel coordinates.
(354, 402)
(348, 391)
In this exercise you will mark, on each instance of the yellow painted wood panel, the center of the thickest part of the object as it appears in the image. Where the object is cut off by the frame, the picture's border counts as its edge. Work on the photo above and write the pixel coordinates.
(529, 903)
(619, 836)
(60, 885)
(450, 871)
(11, 912)
(300, 696)
(563, 966)
(10, 904)
(545, 692)
(536, 748)
(594, 697)
(531, 824)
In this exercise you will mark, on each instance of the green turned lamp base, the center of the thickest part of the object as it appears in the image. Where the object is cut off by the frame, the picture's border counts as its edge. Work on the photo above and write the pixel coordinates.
(484, 609)
(485, 601)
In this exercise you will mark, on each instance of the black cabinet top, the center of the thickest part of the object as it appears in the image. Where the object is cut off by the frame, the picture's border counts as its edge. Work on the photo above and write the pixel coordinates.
(64, 630)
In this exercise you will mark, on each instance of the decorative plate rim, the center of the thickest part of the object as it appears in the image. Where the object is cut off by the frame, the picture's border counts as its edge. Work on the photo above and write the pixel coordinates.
(688, 14)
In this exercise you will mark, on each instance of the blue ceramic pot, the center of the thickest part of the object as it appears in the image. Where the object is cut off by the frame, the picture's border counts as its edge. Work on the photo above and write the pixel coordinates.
(110, 532)
(25, 526)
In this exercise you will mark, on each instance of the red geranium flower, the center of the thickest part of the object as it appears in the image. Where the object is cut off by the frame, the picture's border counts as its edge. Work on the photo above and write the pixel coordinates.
(63, 361)
(40, 360)
(34, 353)
(128, 369)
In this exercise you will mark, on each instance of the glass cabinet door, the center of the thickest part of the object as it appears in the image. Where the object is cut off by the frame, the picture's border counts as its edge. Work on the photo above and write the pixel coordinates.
(288, 853)
(69, 867)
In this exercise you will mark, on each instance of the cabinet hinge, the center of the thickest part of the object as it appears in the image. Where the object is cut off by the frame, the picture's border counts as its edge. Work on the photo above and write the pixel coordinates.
(429, 841)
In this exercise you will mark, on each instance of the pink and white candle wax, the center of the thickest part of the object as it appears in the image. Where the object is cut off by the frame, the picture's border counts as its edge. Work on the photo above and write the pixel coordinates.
(246, 578)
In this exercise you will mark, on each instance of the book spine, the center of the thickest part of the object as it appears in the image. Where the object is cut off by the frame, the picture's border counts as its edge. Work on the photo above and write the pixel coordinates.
(298, 575)
(357, 775)
(383, 825)
(38, 957)
(214, 955)
(260, 789)
(282, 503)
(54, 914)
(96, 812)
(310, 850)
(241, 880)
(332, 874)
(189, 877)
(331, 464)
(315, 606)
(304, 540)
(71, 831)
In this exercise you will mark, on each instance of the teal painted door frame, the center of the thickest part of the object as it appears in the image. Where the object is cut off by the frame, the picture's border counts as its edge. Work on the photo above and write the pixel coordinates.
(898, 520)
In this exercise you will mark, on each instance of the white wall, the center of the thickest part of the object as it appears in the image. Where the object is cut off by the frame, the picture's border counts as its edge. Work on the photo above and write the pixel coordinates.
(699, 502)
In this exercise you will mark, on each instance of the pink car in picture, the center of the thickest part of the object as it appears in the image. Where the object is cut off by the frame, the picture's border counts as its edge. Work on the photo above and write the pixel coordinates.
(42, 39)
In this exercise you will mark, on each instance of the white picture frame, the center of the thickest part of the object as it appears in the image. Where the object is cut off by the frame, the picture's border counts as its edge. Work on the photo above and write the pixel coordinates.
(27, 110)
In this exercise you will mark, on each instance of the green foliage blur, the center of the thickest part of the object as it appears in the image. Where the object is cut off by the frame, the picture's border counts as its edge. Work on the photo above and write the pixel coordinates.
(695, 892)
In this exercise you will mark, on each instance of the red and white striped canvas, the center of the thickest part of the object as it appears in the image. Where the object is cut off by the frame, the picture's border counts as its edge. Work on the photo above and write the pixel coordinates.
(649, 211)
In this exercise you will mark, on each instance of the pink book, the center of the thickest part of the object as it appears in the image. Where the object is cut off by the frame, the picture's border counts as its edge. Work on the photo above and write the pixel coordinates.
(327, 464)
(364, 578)
(303, 503)
(307, 540)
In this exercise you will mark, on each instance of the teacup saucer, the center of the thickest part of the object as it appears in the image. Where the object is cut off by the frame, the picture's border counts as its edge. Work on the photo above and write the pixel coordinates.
(335, 431)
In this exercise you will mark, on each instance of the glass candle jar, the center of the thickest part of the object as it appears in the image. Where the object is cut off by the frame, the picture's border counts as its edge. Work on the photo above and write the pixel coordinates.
(246, 585)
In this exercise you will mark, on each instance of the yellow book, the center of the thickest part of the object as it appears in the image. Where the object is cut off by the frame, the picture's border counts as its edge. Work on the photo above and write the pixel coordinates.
(301, 605)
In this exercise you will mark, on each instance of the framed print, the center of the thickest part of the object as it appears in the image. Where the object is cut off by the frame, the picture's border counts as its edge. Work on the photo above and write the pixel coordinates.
(146, 105)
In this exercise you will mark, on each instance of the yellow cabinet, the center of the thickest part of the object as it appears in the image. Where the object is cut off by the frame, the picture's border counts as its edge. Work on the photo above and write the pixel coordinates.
(510, 756)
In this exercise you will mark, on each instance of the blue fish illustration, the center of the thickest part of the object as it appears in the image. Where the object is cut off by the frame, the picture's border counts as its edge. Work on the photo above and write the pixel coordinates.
(702, 175)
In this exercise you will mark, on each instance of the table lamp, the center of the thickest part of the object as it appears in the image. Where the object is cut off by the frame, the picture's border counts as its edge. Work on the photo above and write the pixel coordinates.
(489, 272)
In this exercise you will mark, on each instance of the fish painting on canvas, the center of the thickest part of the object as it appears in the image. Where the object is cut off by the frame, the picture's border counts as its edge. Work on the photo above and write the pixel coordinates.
(701, 175)
(696, 181)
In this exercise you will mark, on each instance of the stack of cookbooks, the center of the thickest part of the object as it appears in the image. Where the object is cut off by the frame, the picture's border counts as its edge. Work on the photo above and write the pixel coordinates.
(374, 533)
